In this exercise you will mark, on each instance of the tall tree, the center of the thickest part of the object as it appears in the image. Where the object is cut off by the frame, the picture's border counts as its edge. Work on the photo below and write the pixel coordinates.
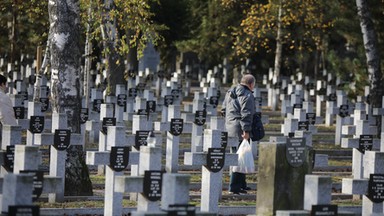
(65, 53)
(372, 54)
(23, 26)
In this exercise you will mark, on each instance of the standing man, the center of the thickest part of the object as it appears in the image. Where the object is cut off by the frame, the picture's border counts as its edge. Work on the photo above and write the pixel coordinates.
(7, 114)
(239, 108)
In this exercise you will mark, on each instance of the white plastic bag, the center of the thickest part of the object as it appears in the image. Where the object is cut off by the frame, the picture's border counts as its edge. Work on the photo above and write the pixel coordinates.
(246, 163)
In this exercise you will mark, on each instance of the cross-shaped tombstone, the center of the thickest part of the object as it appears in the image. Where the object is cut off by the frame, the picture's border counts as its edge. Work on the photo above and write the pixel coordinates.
(370, 186)
(107, 119)
(212, 160)
(20, 111)
(61, 138)
(132, 92)
(37, 122)
(363, 140)
(212, 95)
(330, 105)
(174, 128)
(148, 183)
(27, 160)
(121, 102)
(175, 91)
(11, 138)
(309, 90)
(342, 111)
(199, 119)
(273, 87)
(117, 156)
(380, 112)
(320, 96)
(141, 128)
(168, 99)
(368, 106)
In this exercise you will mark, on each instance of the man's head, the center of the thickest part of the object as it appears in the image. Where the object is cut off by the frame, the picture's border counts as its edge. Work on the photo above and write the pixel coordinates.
(248, 80)
(3, 82)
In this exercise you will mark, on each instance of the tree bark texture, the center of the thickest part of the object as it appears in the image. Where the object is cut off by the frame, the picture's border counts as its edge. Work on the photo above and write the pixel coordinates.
(65, 85)
(114, 61)
(371, 52)
(373, 57)
(279, 45)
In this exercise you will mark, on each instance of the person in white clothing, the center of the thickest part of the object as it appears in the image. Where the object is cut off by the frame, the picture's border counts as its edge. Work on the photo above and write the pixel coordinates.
(7, 114)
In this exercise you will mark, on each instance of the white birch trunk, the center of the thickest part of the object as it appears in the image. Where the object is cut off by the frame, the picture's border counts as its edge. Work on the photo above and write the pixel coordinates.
(373, 57)
(65, 52)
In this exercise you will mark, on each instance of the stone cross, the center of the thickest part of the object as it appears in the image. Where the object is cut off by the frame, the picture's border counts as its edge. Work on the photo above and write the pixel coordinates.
(149, 160)
(212, 160)
(60, 137)
(373, 203)
(174, 128)
(117, 156)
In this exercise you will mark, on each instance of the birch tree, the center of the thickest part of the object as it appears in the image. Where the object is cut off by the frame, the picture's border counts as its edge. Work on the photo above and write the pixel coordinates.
(372, 54)
(65, 54)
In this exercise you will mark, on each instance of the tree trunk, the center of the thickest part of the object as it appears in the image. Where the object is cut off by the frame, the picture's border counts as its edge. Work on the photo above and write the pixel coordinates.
(65, 80)
(39, 73)
(13, 34)
(133, 62)
(88, 59)
(372, 54)
(114, 61)
(279, 45)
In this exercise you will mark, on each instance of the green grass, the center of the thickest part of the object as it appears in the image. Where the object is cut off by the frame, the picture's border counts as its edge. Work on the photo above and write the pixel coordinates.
(82, 204)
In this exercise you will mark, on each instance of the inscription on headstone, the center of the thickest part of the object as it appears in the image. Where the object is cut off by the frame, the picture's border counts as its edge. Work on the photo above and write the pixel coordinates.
(318, 210)
(38, 179)
(215, 159)
(119, 158)
(322, 91)
(344, 110)
(376, 188)
(36, 124)
(176, 126)
(152, 185)
(122, 100)
(332, 97)
(9, 158)
(142, 112)
(214, 101)
(151, 106)
(62, 139)
(132, 92)
(175, 93)
(303, 125)
(108, 121)
(200, 117)
(24, 93)
(297, 106)
(84, 115)
(181, 209)
(44, 104)
(140, 87)
(365, 143)
(224, 139)
(311, 118)
(97, 104)
(141, 138)
(19, 112)
(168, 100)
(295, 151)
(23, 210)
